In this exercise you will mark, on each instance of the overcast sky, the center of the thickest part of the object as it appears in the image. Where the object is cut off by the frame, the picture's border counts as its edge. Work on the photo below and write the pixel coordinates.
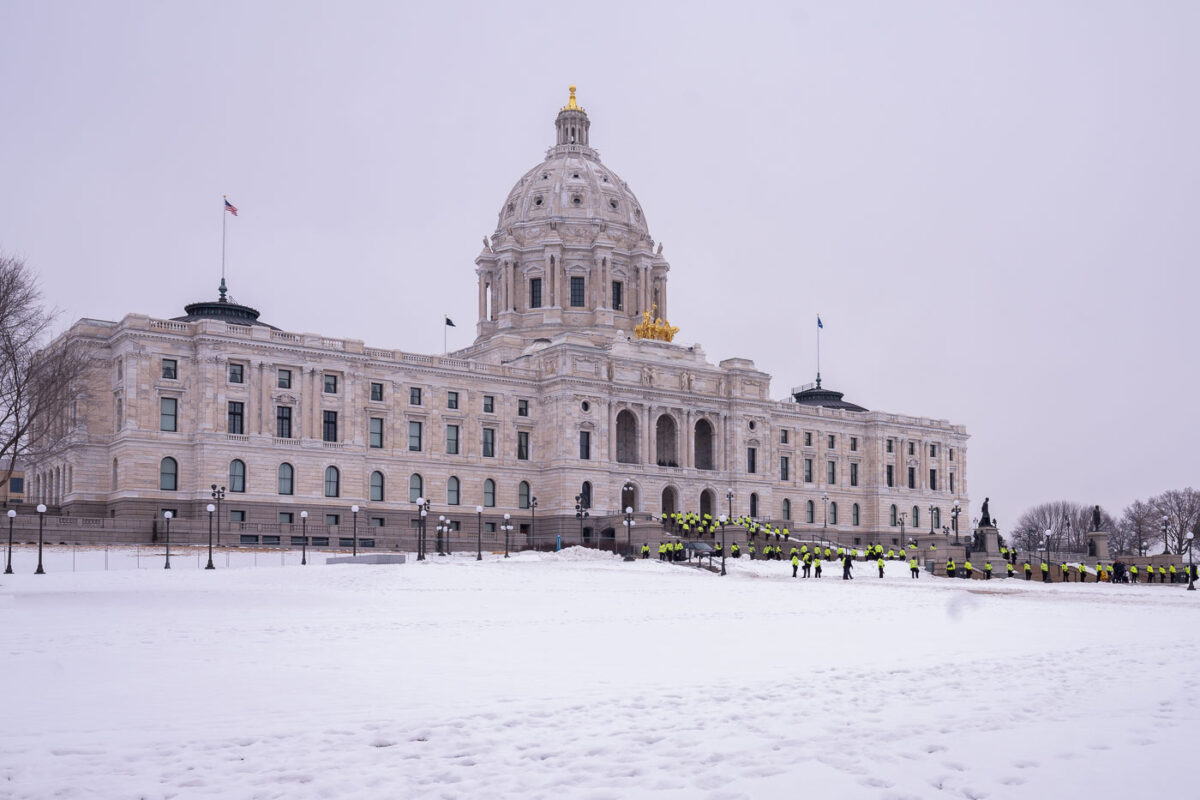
(993, 206)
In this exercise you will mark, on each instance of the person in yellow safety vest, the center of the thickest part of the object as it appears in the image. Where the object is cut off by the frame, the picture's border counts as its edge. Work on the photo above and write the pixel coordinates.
(807, 562)
(794, 551)
(645, 550)
(879, 562)
(785, 534)
(987, 570)
(950, 568)
(1009, 566)
(1162, 574)
(1066, 574)
(735, 551)
(967, 568)
(841, 553)
(827, 554)
(1101, 572)
(817, 566)
(750, 547)
(718, 549)
(1171, 570)
(912, 565)
(1028, 571)
(679, 551)
(795, 564)
(803, 549)
(1133, 573)
(891, 554)
(1082, 572)
(933, 545)
(1045, 572)
(1004, 552)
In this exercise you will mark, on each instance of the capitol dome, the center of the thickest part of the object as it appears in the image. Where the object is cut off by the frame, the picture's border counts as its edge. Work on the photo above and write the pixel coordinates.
(571, 250)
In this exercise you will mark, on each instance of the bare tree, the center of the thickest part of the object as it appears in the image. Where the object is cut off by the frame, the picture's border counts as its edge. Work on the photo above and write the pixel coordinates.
(1178, 512)
(1140, 525)
(37, 386)
(1067, 522)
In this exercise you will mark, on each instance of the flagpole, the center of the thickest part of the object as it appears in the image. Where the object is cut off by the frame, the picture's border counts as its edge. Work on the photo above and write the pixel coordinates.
(224, 214)
(445, 351)
(818, 350)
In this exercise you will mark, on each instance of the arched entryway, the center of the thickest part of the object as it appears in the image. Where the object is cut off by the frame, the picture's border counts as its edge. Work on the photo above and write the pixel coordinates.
(627, 438)
(628, 497)
(670, 501)
(704, 444)
(707, 500)
(664, 439)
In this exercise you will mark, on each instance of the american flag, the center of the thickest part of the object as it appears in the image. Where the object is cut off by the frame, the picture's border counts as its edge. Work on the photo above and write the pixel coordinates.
(230, 207)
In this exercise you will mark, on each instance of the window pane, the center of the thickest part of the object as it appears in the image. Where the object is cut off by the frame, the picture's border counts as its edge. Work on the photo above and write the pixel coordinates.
(329, 432)
(489, 404)
(414, 436)
(377, 487)
(451, 399)
(414, 396)
(283, 422)
(332, 482)
(617, 291)
(168, 477)
(489, 493)
(284, 379)
(169, 369)
(376, 432)
(167, 416)
(452, 491)
(236, 417)
(415, 488)
(585, 445)
(235, 373)
(285, 478)
(237, 476)
(377, 392)
(535, 293)
(331, 384)
(523, 446)
(452, 439)
(577, 288)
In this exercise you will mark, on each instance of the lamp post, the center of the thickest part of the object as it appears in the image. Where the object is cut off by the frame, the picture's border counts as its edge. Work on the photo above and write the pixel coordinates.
(1191, 563)
(41, 509)
(825, 502)
(533, 523)
(423, 509)
(581, 513)
(903, 518)
(931, 520)
(954, 512)
(218, 494)
(1067, 523)
(723, 519)
(729, 497)
(629, 533)
(303, 537)
(479, 533)
(210, 508)
(11, 516)
(440, 528)
(167, 516)
(506, 527)
(1049, 533)
(449, 527)
(1166, 523)
(354, 510)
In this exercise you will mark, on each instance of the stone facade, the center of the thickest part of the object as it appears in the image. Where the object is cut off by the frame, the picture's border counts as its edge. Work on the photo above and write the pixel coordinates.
(555, 363)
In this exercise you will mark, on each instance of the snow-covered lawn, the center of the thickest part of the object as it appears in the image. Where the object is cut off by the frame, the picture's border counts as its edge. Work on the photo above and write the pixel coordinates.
(578, 675)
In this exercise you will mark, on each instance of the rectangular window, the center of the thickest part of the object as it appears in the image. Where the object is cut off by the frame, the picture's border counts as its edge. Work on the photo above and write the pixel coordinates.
(270, 540)
(414, 396)
(890, 445)
(237, 516)
(330, 384)
(452, 400)
(297, 541)
(577, 292)
(377, 522)
(376, 432)
(951, 483)
(414, 436)
(807, 439)
(236, 417)
(832, 442)
(933, 480)
(912, 449)
(168, 409)
(452, 439)
(284, 379)
(489, 404)
(170, 369)
(933, 451)
(831, 473)
(489, 442)
(320, 541)
(751, 460)
(522, 408)
(853, 444)
(248, 538)
(332, 519)
(891, 475)
(376, 392)
(283, 422)
(235, 373)
(489, 527)
(783, 436)
(617, 291)
(535, 292)
(808, 470)
(585, 445)
(522, 445)
(286, 517)
(912, 477)
(854, 474)
(951, 453)
(16, 485)
(783, 468)
(329, 430)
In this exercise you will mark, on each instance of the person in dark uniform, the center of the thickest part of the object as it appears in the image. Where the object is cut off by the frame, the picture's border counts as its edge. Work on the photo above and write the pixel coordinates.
(847, 565)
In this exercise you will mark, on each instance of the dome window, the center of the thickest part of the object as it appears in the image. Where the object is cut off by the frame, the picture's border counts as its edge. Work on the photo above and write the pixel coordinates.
(604, 177)
(577, 200)
(537, 201)
(612, 204)
(585, 405)
(575, 176)
(510, 208)
(545, 176)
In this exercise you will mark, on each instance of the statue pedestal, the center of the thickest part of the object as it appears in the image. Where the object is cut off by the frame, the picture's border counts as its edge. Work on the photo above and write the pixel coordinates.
(1097, 545)
(986, 540)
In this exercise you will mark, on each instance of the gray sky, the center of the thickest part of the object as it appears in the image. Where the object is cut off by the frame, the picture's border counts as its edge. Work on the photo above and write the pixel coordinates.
(992, 205)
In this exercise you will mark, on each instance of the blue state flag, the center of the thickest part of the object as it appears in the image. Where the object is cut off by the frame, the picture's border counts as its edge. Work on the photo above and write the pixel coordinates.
(819, 325)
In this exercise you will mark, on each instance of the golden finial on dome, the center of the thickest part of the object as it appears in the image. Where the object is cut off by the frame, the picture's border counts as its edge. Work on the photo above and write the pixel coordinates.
(571, 104)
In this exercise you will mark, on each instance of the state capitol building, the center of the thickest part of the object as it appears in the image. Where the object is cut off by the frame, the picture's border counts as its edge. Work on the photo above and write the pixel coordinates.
(573, 388)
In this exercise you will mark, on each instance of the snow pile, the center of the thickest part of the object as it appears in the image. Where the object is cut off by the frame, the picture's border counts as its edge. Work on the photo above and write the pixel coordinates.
(576, 553)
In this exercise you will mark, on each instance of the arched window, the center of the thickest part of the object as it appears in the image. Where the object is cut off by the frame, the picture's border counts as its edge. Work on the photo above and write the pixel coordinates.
(703, 445)
(333, 482)
(237, 475)
(114, 475)
(627, 443)
(523, 495)
(452, 491)
(937, 517)
(892, 515)
(833, 513)
(416, 487)
(377, 487)
(489, 493)
(854, 514)
(585, 495)
(664, 438)
(787, 510)
(287, 478)
(754, 504)
(916, 517)
(808, 512)
(168, 475)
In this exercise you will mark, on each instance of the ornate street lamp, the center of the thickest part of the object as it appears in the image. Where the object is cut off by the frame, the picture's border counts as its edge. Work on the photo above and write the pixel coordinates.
(479, 533)
(210, 508)
(506, 527)
(423, 508)
(581, 513)
(354, 510)
(723, 519)
(954, 512)
(11, 516)
(1166, 523)
(303, 536)
(218, 494)
(825, 502)
(729, 497)
(1191, 563)
(629, 534)
(903, 518)
(931, 520)
(440, 529)
(532, 523)
(167, 516)
(41, 509)
(1049, 533)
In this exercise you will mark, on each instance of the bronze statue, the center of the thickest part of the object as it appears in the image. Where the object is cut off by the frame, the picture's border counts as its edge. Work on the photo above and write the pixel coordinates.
(1096, 518)
(985, 519)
